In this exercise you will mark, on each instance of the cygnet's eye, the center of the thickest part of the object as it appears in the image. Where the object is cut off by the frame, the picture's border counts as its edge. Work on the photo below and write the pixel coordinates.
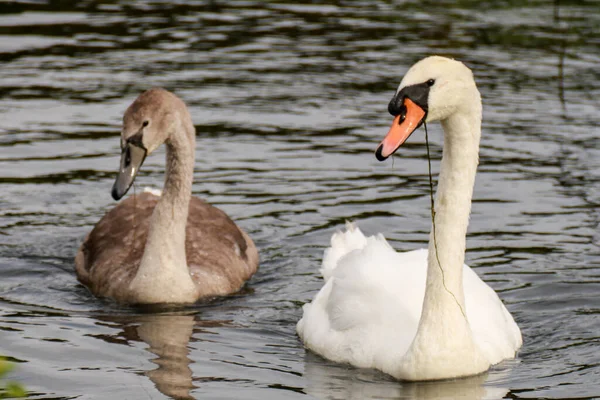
(145, 123)
(127, 157)
(430, 82)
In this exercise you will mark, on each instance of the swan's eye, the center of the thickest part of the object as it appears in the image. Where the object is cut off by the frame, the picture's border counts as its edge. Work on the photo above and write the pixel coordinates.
(145, 124)
(430, 82)
(402, 114)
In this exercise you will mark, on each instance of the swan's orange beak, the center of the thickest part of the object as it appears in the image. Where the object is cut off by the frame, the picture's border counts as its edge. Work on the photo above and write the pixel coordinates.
(404, 124)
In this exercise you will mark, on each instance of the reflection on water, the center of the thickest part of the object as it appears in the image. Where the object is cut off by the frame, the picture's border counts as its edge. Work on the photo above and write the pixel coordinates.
(167, 337)
(330, 382)
(289, 101)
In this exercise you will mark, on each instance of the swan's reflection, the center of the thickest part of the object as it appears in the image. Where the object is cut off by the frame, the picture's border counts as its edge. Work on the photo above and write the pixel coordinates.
(326, 380)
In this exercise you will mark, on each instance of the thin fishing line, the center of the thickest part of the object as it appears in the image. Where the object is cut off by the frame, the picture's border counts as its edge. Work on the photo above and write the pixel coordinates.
(437, 256)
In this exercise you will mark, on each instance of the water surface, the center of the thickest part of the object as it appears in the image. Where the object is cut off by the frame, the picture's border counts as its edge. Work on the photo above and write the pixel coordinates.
(290, 100)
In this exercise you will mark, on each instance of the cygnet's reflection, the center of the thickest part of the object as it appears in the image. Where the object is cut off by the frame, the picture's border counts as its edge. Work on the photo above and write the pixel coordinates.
(168, 337)
(326, 380)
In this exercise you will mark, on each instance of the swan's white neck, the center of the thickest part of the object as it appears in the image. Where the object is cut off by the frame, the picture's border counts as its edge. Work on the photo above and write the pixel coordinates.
(447, 240)
(163, 275)
(443, 345)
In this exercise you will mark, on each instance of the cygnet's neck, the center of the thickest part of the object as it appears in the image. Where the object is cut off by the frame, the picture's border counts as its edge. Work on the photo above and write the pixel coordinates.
(163, 275)
(443, 345)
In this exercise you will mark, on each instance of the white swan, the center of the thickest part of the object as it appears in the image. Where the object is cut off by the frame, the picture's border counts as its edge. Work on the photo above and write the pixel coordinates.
(407, 314)
(169, 247)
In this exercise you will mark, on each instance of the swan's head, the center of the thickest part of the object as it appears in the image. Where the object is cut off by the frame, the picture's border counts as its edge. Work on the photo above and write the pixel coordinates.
(433, 89)
(147, 123)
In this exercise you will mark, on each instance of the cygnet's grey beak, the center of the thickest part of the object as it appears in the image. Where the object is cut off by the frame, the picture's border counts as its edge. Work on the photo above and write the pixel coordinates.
(132, 158)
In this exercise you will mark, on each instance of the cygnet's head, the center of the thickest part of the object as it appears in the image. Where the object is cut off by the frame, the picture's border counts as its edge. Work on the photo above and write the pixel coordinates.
(148, 122)
(433, 89)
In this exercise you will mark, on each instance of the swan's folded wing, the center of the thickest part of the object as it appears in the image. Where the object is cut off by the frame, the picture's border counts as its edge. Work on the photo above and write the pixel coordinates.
(342, 243)
(494, 329)
(372, 298)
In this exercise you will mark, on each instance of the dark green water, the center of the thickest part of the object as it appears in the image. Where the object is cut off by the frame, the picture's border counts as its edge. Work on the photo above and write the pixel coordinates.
(290, 102)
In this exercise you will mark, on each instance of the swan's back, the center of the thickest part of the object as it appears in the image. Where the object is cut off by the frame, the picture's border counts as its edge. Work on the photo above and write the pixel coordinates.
(367, 313)
(220, 256)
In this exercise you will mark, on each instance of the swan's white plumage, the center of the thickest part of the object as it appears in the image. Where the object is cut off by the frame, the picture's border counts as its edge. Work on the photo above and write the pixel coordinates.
(404, 313)
(368, 311)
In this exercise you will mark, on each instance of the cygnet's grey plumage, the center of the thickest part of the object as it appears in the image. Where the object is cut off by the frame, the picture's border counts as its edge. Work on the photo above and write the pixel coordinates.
(172, 248)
